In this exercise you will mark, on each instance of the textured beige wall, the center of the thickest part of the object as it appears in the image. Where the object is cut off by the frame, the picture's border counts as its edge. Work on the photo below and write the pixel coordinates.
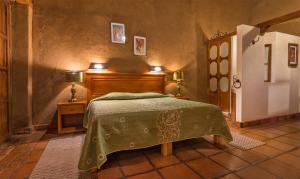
(223, 15)
(267, 9)
(69, 34)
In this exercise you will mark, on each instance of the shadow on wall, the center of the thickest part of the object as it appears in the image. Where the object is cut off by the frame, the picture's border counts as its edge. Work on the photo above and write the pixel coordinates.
(202, 79)
(249, 37)
(133, 65)
(186, 88)
(49, 88)
(19, 111)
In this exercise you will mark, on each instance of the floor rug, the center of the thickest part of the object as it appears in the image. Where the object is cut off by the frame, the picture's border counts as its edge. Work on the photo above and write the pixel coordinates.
(60, 159)
(240, 141)
(245, 143)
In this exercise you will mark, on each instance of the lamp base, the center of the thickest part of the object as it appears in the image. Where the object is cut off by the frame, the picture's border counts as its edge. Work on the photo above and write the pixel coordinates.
(73, 92)
(178, 94)
(72, 100)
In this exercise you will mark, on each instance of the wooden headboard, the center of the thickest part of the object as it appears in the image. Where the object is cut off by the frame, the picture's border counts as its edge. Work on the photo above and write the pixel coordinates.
(99, 84)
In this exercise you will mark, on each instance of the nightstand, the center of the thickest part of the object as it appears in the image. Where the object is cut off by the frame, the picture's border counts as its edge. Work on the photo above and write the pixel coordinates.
(182, 97)
(70, 117)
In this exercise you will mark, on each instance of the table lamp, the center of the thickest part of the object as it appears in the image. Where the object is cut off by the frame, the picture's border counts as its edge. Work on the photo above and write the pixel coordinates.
(73, 77)
(178, 76)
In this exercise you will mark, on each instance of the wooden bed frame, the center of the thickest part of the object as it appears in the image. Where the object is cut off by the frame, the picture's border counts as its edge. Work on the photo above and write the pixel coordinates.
(99, 84)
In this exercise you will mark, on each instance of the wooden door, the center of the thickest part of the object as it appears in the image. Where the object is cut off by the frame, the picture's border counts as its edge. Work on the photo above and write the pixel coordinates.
(4, 125)
(219, 63)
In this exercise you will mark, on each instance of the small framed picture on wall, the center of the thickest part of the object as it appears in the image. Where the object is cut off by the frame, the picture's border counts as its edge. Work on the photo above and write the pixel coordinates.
(118, 33)
(140, 45)
(293, 55)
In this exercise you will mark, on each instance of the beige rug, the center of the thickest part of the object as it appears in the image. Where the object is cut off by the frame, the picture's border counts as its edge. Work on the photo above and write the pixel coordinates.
(60, 159)
(244, 143)
(240, 141)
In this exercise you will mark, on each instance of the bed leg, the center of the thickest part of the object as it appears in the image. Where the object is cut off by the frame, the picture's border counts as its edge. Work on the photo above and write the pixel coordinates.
(94, 174)
(220, 140)
(166, 149)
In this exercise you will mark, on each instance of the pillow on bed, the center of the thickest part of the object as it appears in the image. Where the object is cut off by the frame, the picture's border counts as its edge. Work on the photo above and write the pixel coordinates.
(126, 96)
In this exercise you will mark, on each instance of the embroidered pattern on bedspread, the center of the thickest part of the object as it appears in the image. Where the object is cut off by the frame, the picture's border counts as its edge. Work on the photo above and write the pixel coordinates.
(168, 125)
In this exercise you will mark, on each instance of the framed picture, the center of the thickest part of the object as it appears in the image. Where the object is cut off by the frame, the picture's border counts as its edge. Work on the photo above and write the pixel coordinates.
(293, 55)
(140, 45)
(118, 33)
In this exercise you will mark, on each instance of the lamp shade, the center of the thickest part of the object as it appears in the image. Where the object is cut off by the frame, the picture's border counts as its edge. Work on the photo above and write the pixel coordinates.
(157, 69)
(178, 76)
(97, 66)
(74, 76)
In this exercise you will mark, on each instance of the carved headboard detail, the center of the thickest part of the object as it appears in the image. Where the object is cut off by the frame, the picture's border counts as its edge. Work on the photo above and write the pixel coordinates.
(99, 84)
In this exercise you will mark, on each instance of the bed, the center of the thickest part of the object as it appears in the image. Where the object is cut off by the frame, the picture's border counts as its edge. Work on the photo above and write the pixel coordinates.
(121, 120)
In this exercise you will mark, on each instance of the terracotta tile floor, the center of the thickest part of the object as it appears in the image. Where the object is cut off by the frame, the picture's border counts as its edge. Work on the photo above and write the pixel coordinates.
(197, 158)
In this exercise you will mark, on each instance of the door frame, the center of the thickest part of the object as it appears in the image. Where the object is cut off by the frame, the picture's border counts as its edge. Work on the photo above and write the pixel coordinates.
(8, 51)
(9, 59)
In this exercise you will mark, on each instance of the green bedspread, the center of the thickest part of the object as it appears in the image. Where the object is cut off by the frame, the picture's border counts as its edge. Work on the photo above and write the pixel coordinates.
(122, 121)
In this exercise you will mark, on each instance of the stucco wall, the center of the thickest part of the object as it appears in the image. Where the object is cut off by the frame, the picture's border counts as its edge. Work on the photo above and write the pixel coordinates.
(267, 9)
(69, 34)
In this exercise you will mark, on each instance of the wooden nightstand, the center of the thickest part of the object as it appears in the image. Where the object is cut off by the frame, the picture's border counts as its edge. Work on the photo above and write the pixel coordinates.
(182, 97)
(70, 117)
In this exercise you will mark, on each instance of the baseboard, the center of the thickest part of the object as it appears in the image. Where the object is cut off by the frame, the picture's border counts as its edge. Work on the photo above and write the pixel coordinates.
(26, 130)
(267, 120)
(41, 127)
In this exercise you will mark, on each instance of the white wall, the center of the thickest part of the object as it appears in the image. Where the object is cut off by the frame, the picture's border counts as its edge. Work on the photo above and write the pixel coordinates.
(283, 90)
(250, 58)
(257, 99)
